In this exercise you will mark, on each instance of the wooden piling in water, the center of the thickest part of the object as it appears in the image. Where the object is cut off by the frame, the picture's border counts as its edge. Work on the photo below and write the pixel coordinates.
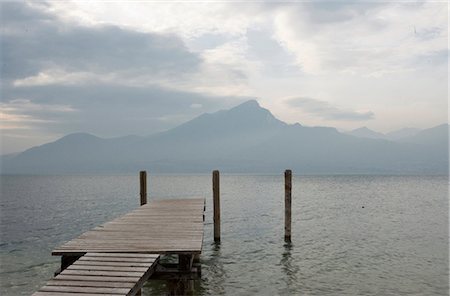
(216, 204)
(143, 195)
(143, 186)
(287, 205)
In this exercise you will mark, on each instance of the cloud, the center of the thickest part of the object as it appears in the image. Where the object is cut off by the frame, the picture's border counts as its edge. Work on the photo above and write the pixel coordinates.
(369, 39)
(327, 111)
(42, 44)
(41, 49)
(59, 77)
(346, 37)
(190, 20)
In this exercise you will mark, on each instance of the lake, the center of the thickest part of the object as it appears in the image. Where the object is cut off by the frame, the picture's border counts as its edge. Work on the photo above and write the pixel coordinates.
(351, 235)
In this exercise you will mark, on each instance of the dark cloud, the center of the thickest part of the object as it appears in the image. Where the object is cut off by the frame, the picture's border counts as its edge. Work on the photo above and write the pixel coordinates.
(20, 15)
(327, 111)
(33, 41)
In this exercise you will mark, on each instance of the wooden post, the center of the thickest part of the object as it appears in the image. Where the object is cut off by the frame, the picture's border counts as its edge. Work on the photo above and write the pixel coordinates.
(216, 205)
(143, 183)
(143, 195)
(287, 204)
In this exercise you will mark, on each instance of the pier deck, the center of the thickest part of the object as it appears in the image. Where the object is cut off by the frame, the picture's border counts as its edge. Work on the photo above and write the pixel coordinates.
(117, 257)
(159, 227)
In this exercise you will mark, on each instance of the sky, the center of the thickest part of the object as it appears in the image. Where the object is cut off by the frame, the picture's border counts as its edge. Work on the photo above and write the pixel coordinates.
(114, 68)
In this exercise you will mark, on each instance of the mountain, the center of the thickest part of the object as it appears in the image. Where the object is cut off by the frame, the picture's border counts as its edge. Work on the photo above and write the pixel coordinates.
(435, 136)
(244, 139)
(397, 135)
(76, 152)
(364, 132)
(402, 133)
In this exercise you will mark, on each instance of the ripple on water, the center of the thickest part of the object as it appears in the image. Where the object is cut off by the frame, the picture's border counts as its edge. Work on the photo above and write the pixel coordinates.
(395, 245)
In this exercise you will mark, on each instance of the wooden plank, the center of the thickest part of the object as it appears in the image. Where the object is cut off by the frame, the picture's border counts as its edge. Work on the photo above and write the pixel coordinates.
(115, 259)
(67, 294)
(118, 235)
(107, 268)
(122, 255)
(94, 290)
(129, 247)
(91, 246)
(102, 273)
(155, 251)
(55, 282)
(69, 277)
(118, 264)
(113, 242)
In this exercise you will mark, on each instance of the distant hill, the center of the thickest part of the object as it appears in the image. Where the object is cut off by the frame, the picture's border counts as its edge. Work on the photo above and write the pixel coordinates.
(397, 135)
(365, 132)
(435, 136)
(244, 139)
(402, 133)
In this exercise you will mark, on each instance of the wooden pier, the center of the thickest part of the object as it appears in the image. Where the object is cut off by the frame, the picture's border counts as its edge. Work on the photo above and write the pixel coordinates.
(117, 257)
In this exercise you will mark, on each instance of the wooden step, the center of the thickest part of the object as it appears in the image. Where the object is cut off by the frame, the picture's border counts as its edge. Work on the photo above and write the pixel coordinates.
(102, 274)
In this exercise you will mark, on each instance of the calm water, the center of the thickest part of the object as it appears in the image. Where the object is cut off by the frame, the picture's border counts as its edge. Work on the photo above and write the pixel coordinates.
(396, 245)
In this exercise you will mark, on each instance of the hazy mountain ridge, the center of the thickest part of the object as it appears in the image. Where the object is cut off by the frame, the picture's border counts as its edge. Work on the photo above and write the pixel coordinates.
(402, 133)
(365, 132)
(396, 135)
(246, 138)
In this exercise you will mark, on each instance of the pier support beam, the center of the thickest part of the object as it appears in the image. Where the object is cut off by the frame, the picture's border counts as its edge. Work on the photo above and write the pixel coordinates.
(287, 205)
(143, 186)
(216, 204)
(66, 261)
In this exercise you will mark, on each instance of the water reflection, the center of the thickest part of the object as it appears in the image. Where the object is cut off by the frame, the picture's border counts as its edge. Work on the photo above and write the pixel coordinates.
(289, 268)
(214, 274)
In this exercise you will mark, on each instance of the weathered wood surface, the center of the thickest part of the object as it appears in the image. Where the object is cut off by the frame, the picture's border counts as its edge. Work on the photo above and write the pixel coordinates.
(143, 187)
(102, 274)
(159, 227)
(287, 205)
(216, 204)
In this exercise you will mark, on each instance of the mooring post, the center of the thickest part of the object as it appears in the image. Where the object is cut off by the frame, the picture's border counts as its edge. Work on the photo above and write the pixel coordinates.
(287, 204)
(143, 183)
(143, 195)
(216, 205)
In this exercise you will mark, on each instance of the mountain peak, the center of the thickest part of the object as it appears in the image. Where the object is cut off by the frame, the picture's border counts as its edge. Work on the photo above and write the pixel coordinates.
(248, 104)
(251, 114)
(246, 117)
(365, 132)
